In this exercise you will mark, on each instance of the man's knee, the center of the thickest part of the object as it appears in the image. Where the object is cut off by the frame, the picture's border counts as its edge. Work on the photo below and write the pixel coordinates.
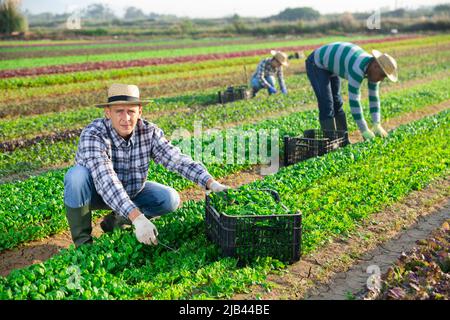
(171, 200)
(76, 176)
(77, 186)
(256, 86)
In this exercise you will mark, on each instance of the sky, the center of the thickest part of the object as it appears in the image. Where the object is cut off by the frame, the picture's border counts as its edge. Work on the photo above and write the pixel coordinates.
(223, 8)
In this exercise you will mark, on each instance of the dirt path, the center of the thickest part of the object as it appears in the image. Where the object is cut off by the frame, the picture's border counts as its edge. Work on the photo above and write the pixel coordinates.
(353, 283)
(41, 250)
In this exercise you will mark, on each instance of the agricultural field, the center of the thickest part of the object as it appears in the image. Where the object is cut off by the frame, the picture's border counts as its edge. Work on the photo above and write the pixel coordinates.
(48, 92)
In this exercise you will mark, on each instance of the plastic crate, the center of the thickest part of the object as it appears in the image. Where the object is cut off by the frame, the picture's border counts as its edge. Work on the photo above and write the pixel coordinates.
(235, 93)
(315, 142)
(249, 236)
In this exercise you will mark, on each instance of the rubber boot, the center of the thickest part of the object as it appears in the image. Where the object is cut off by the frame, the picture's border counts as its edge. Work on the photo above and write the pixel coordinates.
(329, 127)
(254, 91)
(341, 124)
(328, 124)
(80, 223)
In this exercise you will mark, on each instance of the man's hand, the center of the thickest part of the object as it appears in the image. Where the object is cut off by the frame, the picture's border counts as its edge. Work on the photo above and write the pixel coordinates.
(215, 186)
(379, 131)
(145, 230)
(367, 135)
(272, 90)
(284, 91)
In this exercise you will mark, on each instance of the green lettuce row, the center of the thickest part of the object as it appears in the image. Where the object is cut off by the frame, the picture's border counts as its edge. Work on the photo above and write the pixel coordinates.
(133, 75)
(334, 192)
(347, 185)
(165, 53)
(19, 200)
(100, 45)
(28, 127)
(37, 124)
(86, 94)
(405, 56)
(95, 77)
(46, 154)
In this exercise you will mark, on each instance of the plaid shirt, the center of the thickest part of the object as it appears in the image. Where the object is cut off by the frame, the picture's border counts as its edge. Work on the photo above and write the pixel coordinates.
(266, 69)
(119, 167)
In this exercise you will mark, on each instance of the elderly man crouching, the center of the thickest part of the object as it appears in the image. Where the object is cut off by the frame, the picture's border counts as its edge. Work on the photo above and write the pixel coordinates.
(111, 169)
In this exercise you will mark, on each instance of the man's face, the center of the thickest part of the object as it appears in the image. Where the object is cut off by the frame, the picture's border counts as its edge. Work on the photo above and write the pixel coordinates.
(375, 73)
(124, 118)
(276, 63)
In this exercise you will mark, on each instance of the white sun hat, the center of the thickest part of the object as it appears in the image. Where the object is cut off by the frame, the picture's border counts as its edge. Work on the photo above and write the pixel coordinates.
(281, 57)
(122, 94)
(387, 63)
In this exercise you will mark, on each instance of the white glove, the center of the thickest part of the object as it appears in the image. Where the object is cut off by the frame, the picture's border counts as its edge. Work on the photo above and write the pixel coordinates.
(217, 187)
(146, 231)
(367, 135)
(379, 131)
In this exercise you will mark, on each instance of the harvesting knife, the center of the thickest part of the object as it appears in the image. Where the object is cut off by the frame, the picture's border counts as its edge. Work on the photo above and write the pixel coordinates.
(166, 246)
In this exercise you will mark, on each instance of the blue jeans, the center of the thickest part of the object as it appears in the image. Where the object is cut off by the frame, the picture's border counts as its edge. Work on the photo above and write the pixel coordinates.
(154, 200)
(327, 87)
(256, 85)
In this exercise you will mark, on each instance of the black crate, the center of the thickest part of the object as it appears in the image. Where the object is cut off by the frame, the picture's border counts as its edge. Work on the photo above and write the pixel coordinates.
(315, 142)
(250, 236)
(235, 93)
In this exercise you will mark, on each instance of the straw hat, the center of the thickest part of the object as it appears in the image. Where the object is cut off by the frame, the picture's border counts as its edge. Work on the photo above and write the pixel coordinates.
(387, 63)
(281, 57)
(122, 94)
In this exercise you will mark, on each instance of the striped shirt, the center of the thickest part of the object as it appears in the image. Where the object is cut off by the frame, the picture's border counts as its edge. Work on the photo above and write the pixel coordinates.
(265, 69)
(119, 167)
(349, 61)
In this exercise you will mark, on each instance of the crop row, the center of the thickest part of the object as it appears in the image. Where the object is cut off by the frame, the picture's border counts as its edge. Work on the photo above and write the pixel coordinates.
(39, 43)
(9, 146)
(53, 79)
(140, 73)
(27, 213)
(184, 89)
(106, 45)
(52, 151)
(333, 192)
(121, 48)
(40, 62)
(12, 68)
(71, 96)
(85, 50)
(169, 112)
(28, 127)
(180, 82)
(411, 275)
(87, 66)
